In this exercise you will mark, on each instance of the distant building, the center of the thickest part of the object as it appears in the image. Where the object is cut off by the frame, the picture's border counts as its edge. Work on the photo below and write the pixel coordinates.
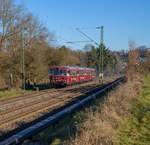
(148, 49)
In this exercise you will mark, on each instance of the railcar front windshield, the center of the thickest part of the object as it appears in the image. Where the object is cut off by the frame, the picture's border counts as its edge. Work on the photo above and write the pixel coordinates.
(58, 72)
(63, 72)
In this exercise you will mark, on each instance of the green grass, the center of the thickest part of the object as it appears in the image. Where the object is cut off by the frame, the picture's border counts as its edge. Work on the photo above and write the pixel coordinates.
(63, 130)
(136, 129)
(67, 127)
(12, 93)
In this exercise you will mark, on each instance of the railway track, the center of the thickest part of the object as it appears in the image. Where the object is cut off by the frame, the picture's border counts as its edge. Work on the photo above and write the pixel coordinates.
(32, 99)
(50, 103)
(5, 101)
(61, 100)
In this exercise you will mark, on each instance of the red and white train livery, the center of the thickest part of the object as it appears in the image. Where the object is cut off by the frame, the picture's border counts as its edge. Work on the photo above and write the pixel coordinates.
(67, 75)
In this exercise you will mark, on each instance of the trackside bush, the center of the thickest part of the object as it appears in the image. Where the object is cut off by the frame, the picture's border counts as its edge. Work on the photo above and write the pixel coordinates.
(136, 129)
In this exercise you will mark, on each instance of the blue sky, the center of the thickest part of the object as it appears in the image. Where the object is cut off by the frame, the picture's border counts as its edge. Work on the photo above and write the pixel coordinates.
(123, 20)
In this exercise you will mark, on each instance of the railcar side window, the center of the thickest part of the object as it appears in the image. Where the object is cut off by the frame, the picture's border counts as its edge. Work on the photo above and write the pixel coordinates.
(51, 72)
(65, 72)
(56, 72)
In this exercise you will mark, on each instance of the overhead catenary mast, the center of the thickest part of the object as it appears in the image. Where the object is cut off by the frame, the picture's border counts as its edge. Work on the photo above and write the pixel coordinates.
(101, 51)
(22, 58)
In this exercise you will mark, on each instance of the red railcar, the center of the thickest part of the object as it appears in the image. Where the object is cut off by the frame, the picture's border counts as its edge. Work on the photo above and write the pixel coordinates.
(67, 75)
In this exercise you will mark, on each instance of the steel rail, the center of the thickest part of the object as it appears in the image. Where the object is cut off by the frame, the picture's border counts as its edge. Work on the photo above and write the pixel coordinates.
(28, 132)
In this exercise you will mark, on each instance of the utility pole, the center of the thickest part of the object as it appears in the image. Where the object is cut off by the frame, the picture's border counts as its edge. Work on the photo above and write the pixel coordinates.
(101, 52)
(22, 58)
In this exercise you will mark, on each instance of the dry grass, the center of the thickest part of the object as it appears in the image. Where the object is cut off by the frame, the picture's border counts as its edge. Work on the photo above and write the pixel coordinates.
(101, 126)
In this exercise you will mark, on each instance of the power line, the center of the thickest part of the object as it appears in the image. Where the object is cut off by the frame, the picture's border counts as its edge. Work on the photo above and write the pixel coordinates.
(72, 42)
(87, 36)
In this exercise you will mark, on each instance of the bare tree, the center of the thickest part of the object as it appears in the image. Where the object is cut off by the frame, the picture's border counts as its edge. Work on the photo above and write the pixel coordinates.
(9, 15)
(118, 62)
(133, 57)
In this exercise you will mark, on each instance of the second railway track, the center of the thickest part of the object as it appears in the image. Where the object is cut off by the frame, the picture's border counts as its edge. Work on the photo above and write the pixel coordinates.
(53, 98)
(5, 101)
(49, 103)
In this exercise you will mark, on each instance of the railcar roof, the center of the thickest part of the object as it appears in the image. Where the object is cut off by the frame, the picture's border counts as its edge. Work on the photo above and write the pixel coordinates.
(73, 68)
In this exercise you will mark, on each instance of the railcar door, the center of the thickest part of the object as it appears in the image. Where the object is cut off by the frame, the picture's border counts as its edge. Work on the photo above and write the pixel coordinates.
(81, 76)
(78, 77)
(73, 77)
(51, 76)
(68, 78)
(63, 76)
